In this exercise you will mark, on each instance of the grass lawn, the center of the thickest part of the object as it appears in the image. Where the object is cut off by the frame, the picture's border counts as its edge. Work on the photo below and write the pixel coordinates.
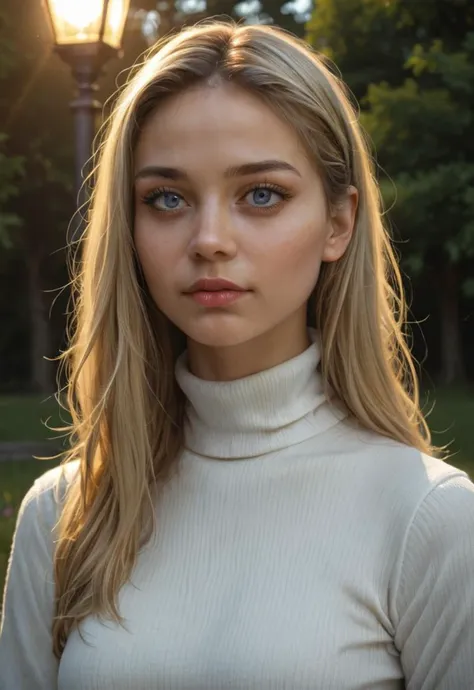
(24, 418)
(451, 421)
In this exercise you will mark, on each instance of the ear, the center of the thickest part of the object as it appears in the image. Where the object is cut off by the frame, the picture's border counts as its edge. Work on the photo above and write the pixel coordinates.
(341, 226)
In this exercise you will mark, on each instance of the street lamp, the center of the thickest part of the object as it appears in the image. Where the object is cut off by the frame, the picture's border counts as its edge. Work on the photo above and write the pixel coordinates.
(87, 33)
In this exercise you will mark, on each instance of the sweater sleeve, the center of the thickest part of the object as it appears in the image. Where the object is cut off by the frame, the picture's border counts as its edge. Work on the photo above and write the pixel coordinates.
(434, 595)
(26, 657)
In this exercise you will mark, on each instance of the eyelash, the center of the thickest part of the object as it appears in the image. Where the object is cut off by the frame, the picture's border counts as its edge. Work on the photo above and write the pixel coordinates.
(150, 198)
(284, 193)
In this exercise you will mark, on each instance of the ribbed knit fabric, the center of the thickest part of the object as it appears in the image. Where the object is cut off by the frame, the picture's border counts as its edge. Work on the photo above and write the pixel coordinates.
(294, 551)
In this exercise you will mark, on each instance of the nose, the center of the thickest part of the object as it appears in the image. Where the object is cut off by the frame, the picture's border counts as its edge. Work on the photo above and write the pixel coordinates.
(213, 238)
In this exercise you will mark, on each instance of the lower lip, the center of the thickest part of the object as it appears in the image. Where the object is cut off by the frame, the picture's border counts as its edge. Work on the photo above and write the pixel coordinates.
(217, 299)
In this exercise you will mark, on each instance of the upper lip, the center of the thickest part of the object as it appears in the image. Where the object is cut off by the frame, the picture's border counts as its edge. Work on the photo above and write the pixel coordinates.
(214, 285)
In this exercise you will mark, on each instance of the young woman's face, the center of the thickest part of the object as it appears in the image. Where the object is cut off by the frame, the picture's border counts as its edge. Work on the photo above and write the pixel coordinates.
(223, 189)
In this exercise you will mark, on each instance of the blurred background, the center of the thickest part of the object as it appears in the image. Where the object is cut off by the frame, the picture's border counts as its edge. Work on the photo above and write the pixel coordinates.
(410, 67)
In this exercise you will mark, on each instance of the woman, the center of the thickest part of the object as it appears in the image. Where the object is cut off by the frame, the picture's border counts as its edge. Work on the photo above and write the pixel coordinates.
(251, 500)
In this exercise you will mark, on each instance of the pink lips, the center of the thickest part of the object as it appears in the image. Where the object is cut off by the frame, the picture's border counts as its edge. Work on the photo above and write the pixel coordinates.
(215, 292)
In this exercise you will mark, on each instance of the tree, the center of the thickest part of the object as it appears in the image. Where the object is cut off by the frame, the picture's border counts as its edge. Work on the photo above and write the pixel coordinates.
(411, 66)
(371, 40)
(11, 167)
(424, 130)
(40, 134)
(362, 38)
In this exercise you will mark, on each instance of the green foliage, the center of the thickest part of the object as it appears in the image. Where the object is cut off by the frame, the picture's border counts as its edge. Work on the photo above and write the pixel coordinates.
(422, 131)
(361, 37)
(411, 65)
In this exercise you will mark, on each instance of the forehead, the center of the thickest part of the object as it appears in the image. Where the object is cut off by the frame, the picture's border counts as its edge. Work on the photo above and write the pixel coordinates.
(215, 123)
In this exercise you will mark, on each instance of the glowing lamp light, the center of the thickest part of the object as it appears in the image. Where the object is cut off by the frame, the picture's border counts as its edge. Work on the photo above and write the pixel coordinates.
(77, 22)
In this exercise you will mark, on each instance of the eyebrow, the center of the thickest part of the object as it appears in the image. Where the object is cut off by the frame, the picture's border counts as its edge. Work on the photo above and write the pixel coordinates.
(237, 171)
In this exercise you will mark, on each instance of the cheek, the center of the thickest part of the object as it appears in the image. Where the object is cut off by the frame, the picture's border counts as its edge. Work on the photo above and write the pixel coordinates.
(295, 258)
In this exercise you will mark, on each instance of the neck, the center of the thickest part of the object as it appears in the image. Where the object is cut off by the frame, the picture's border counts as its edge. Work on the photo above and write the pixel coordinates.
(262, 352)
(270, 410)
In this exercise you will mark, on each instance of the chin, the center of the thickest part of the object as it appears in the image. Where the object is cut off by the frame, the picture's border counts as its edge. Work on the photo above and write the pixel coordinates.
(221, 332)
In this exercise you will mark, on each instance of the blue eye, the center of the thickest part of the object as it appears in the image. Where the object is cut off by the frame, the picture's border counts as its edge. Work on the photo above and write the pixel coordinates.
(163, 200)
(264, 197)
(171, 200)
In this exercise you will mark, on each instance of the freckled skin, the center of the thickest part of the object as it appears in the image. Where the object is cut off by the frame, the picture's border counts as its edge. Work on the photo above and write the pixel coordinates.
(213, 225)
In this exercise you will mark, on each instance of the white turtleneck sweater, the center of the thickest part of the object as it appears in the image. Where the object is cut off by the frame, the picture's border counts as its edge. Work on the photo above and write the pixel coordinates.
(294, 551)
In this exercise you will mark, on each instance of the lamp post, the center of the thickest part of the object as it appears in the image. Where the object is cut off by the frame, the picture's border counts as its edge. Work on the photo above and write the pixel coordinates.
(87, 33)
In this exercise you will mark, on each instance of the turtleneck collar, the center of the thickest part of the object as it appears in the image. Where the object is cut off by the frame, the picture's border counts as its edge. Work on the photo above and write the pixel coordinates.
(258, 414)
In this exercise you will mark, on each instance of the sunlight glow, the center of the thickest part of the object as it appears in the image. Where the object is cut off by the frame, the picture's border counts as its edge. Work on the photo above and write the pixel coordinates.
(80, 15)
(80, 22)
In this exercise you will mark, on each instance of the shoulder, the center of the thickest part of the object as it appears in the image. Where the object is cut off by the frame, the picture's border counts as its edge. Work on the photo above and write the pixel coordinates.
(430, 500)
(403, 471)
(50, 488)
(399, 490)
(425, 509)
(40, 507)
(29, 600)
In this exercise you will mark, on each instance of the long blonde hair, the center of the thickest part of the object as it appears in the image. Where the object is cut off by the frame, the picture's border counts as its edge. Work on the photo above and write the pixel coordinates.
(127, 411)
